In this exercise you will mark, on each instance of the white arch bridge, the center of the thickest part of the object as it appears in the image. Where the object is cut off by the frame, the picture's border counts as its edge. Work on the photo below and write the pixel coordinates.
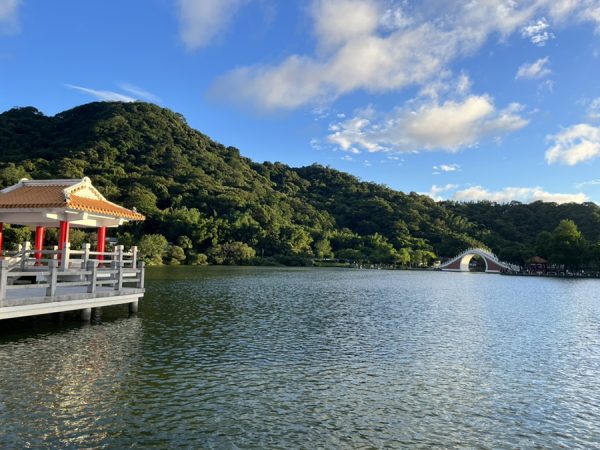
(461, 262)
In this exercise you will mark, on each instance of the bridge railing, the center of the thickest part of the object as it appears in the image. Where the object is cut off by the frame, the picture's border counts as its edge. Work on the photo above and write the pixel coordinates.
(478, 250)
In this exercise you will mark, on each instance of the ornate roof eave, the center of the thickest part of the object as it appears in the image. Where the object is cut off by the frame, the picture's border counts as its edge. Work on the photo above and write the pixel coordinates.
(52, 218)
(77, 201)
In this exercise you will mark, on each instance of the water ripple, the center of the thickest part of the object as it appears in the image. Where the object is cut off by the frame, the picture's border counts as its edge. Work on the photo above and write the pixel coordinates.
(302, 358)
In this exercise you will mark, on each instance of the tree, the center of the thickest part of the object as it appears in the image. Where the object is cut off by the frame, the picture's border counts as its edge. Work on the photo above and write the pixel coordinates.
(403, 257)
(200, 259)
(322, 249)
(185, 242)
(543, 244)
(143, 199)
(176, 255)
(15, 236)
(380, 250)
(77, 237)
(567, 245)
(421, 258)
(350, 254)
(231, 253)
(152, 248)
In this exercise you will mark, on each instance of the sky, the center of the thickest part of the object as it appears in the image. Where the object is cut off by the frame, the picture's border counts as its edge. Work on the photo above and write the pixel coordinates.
(463, 100)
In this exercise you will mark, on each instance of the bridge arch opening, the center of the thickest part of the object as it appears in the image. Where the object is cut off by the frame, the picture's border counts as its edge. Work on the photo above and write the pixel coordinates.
(473, 262)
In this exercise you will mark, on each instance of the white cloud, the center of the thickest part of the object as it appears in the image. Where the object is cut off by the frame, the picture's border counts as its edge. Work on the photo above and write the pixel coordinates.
(534, 70)
(364, 56)
(202, 20)
(447, 168)
(444, 85)
(595, 182)
(521, 194)
(574, 145)
(9, 16)
(361, 45)
(436, 190)
(340, 21)
(582, 10)
(505, 195)
(593, 111)
(432, 126)
(545, 86)
(139, 92)
(395, 18)
(105, 96)
(537, 32)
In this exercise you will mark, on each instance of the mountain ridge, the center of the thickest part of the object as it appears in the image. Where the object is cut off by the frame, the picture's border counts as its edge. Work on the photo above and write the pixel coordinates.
(194, 189)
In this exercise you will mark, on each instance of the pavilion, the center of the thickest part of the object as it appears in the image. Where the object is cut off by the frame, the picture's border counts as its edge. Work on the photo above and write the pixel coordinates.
(41, 281)
(62, 204)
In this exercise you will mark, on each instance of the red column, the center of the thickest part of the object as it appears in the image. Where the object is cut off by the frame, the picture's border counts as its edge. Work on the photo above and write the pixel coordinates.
(39, 241)
(1, 236)
(63, 235)
(101, 242)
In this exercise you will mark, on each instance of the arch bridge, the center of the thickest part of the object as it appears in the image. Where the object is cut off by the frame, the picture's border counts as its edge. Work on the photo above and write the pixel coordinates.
(460, 263)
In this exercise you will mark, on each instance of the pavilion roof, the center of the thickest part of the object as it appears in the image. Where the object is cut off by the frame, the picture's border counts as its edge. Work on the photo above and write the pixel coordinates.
(537, 260)
(76, 195)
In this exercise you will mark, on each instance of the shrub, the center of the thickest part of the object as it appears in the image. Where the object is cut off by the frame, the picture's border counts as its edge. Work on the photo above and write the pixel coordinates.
(152, 248)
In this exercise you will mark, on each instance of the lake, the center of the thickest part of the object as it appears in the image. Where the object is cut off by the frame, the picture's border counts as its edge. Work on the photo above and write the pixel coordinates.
(233, 357)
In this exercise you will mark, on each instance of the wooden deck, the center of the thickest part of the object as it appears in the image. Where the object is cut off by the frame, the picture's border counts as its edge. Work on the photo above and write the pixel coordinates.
(43, 286)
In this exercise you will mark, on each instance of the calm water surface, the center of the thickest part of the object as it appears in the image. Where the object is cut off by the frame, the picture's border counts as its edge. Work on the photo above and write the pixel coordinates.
(313, 358)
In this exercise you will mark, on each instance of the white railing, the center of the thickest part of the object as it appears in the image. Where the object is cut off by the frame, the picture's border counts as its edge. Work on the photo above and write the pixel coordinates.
(95, 275)
(27, 258)
(479, 251)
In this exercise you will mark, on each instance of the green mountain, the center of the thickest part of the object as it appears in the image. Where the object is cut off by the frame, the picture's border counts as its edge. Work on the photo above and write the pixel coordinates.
(207, 199)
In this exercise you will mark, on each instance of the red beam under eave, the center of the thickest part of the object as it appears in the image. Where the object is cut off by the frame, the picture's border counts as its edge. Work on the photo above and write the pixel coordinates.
(1, 236)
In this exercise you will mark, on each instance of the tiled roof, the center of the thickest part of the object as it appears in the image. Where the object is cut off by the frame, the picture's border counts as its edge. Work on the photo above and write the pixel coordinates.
(102, 207)
(34, 197)
(55, 194)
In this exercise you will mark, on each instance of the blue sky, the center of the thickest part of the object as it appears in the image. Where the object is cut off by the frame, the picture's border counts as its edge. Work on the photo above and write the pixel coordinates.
(465, 100)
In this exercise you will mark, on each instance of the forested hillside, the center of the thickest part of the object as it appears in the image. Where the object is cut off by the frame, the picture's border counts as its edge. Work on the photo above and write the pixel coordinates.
(208, 201)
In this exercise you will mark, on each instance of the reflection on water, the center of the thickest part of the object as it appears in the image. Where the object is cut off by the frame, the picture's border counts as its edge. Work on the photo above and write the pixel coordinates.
(267, 358)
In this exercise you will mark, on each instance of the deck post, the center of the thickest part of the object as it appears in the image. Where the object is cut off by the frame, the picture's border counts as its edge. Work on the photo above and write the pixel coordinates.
(119, 249)
(3, 280)
(53, 279)
(92, 267)
(25, 250)
(114, 268)
(86, 254)
(97, 313)
(142, 268)
(134, 256)
(120, 273)
(86, 314)
(66, 255)
(133, 307)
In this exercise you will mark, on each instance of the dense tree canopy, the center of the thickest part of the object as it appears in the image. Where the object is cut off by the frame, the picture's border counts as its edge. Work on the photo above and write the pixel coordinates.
(210, 203)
